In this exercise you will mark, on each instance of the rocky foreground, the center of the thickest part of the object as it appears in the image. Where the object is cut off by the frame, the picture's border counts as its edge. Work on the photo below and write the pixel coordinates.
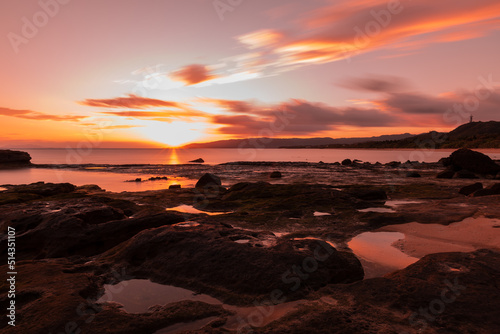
(71, 241)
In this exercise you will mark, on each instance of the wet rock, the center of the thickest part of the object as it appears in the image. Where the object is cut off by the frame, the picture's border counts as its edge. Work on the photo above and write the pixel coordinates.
(42, 189)
(90, 188)
(174, 186)
(465, 174)
(199, 160)
(275, 175)
(8, 157)
(467, 190)
(85, 226)
(492, 190)
(368, 194)
(446, 174)
(441, 293)
(158, 178)
(208, 179)
(393, 164)
(413, 174)
(346, 162)
(473, 161)
(209, 260)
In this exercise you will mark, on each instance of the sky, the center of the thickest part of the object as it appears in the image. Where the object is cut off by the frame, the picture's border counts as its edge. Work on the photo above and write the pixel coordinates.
(151, 73)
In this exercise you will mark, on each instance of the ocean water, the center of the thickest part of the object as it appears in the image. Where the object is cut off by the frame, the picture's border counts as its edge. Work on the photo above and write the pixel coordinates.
(217, 156)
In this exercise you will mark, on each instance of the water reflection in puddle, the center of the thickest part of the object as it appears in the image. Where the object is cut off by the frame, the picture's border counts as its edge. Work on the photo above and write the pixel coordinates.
(395, 203)
(319, 214)
(379, 210)
(190, 209)
(139, 295)
(377, 255)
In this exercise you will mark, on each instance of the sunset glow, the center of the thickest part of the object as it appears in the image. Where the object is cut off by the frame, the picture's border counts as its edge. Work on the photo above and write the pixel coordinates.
(169, 73)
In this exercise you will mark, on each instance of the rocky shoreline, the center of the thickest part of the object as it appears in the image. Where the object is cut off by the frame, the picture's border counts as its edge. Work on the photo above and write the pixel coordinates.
(274, 240)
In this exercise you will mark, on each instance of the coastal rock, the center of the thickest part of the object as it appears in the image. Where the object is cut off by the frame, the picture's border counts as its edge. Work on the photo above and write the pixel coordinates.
(209, 260)
(467, 190)
(199, 160)
(174, 186)
(441, 293)
(42, 188)
(413, 174)
(492, 190)
(465, 174)
(446, 174)
(473, 161)
(275, 175)
(82, 226)
(346, 162)
(14, 158)
(208, 179)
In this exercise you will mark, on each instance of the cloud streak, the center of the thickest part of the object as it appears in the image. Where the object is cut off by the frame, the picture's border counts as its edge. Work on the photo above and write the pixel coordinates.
(193, 74)
(35, 115)
(131, 101)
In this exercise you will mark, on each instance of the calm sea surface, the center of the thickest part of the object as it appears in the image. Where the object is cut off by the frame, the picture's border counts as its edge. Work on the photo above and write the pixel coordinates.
(217, 156)
(185, 175)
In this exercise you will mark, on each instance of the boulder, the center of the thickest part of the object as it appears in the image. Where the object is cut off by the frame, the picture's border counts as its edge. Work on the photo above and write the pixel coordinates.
(413, 174)
(275, 175)
(446, 174)
(209, 259)
(208, 179)
(346, 162)
(14, 157)
(467, 190)
(491, 190)
(174, 186)
(473, 161)
(199, 160)
(42, 188)
(465, 174)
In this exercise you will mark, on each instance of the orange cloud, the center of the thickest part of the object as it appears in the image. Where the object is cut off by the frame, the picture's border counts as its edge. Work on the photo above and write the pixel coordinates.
(346, 28)
(35, 115)
(193, 74)
(131, 101)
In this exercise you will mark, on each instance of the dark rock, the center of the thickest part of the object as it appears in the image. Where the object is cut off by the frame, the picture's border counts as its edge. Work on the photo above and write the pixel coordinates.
(465, 174)
(208, 179)
(157, 178)
(42, 188)
(467, 190)
(445, 161)
(138, 179)
(275, 175)
(413, 174)
(496, 188)
(90, 188)
(393, 164)
(458, 287)
(368, 194)
(346, 162)
(174, 186)
(14, 157)
(212, 261)
(446, 174)
(199, 160)
(483, 192)
(473, 161)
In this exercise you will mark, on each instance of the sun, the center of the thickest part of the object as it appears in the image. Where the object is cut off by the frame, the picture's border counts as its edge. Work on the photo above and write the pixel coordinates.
(172, 134)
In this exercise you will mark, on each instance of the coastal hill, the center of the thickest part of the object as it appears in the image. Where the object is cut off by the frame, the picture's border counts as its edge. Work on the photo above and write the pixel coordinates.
(265, 142)
(470, 135)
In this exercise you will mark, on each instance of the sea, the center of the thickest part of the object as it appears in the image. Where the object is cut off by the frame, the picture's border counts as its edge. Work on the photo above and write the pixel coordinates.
(174, 163)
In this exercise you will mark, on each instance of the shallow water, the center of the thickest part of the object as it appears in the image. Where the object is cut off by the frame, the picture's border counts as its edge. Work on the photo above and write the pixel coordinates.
(190, 209)
(377, 255)
(377, 209)
(110, 181)
(138, 295)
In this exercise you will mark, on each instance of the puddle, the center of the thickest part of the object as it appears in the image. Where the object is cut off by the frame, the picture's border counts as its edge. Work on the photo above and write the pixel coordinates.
(2, 188)
(401, 202)
(377, 255)
(187, 224)
(464, 236)
(319, 214)
(190, 209)
(139, 295)
(379, 210)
